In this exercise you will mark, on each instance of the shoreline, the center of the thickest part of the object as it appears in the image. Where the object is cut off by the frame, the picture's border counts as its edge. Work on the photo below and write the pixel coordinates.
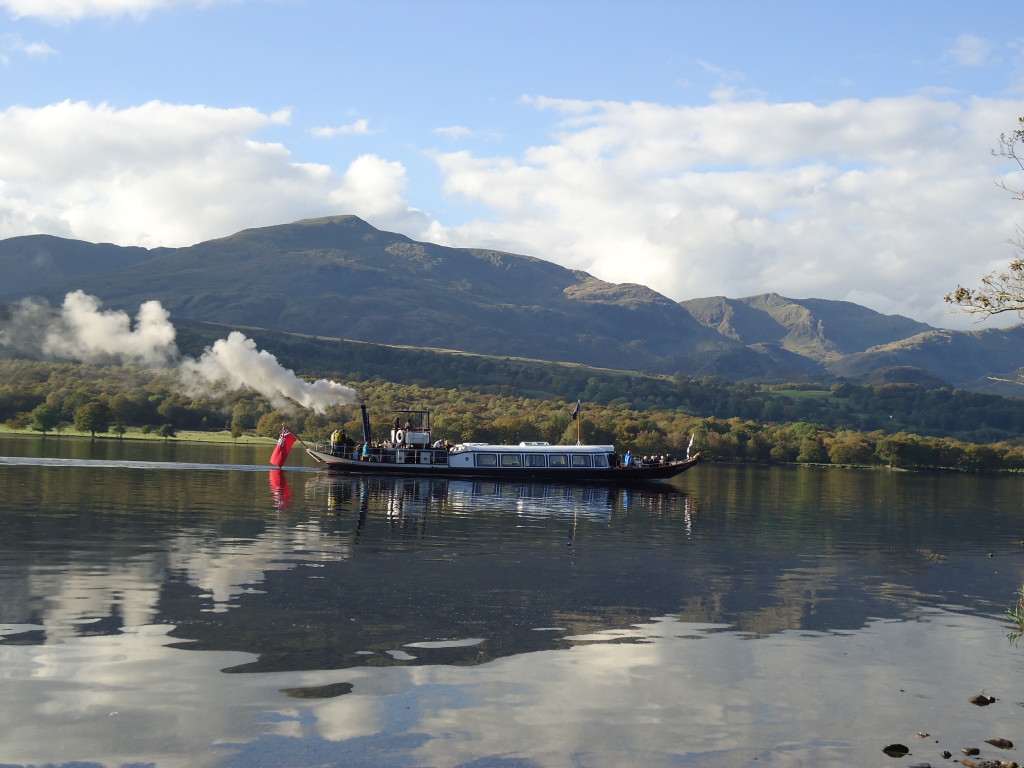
(185, 435)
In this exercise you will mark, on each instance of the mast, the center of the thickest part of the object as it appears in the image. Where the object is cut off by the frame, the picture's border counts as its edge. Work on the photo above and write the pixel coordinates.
(366, 423)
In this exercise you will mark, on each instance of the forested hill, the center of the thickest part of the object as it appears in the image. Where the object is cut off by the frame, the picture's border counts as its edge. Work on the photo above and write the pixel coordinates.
(340, 277)
(883, 402)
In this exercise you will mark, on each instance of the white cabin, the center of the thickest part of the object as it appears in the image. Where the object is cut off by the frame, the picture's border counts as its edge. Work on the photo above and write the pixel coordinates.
(530, 455)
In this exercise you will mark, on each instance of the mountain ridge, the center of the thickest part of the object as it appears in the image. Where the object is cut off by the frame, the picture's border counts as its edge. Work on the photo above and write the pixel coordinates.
(339, 276)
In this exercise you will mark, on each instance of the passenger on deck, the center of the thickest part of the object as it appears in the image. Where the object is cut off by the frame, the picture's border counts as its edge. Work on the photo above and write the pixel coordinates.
(366, 451)
(628, 460)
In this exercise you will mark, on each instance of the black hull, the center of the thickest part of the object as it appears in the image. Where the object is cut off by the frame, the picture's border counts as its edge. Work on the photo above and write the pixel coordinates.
(617, 475)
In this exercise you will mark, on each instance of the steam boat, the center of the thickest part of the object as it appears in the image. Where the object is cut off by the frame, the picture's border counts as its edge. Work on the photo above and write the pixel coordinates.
(410, 451)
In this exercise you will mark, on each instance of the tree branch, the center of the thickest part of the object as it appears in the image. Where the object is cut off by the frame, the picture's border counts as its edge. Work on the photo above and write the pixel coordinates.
(1000, 291)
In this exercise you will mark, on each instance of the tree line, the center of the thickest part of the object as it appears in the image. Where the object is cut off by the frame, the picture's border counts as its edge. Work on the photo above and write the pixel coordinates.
(892, 407)
(971, 417)
(51, 396)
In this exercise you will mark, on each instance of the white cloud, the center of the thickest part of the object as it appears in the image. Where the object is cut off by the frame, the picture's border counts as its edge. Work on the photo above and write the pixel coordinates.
(74, 10)
(359, 127)
(971, 50)
(719, 72)
(163, 174)
(14, 45)
(454, 131)
(889, 198)
(38, 49)
(373, 189)
(888, 202)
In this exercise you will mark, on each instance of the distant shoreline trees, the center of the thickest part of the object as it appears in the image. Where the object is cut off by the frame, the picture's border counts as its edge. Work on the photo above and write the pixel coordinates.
(846, 424)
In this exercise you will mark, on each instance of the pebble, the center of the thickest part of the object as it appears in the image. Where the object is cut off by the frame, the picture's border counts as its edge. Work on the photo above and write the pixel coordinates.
(1001, 743)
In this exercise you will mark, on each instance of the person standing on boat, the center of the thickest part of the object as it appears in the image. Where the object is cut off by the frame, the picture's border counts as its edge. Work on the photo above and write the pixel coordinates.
(628, 460)
(366, 451)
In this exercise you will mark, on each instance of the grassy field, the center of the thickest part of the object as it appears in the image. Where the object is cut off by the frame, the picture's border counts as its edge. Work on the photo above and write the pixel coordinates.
(134, 434)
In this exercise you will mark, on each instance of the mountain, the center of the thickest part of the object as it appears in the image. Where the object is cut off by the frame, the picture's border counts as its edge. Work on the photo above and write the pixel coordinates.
(966, 359)
(30, 262)
(340, 277)
(821, 330)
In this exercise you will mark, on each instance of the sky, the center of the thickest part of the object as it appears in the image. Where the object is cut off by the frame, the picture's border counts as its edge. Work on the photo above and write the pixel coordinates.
(812, 149)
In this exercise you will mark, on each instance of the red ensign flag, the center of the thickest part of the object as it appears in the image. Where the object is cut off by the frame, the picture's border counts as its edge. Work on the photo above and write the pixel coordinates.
(284, 444)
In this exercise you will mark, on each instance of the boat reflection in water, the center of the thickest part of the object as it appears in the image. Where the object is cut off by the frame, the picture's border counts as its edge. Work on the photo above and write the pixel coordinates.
(415, 500)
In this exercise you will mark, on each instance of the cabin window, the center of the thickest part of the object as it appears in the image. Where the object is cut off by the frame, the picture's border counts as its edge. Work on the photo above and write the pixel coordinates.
(511, 460)
(555, 460)
(580, 460)
(601, 460)
(534, 460)
(487, 460)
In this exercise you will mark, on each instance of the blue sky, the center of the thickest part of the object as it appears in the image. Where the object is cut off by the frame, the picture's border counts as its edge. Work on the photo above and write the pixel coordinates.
(813, 149)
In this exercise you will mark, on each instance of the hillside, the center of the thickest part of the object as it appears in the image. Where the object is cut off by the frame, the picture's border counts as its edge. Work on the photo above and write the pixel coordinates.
(340, 277)
(968, 359)
(820, 330)
(31, 262)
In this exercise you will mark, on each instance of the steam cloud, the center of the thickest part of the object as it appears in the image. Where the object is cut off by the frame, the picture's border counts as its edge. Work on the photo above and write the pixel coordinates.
(86, 333)
(81, 330)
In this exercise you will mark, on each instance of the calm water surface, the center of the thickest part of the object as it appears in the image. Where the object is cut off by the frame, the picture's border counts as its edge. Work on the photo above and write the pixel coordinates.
(182, 605)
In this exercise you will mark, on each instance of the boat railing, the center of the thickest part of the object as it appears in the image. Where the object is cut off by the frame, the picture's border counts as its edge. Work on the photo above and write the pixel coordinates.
(385, 454)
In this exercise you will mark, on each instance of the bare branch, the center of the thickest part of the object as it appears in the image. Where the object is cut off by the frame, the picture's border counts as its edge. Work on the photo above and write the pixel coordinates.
(1000, 291)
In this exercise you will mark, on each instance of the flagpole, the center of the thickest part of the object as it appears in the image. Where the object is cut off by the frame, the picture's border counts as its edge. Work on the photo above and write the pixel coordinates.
(297, 437)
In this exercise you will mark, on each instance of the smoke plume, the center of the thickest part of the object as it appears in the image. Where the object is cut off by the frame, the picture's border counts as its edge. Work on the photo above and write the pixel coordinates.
(87, 333)
(81, 330)
(236, 363)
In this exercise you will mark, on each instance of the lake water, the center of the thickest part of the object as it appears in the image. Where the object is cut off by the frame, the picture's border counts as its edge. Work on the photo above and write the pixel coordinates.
(182, 605)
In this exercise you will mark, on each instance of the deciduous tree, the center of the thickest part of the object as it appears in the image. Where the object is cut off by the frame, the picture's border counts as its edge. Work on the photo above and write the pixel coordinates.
(92, 417)
(45, 418)
(270, 424)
